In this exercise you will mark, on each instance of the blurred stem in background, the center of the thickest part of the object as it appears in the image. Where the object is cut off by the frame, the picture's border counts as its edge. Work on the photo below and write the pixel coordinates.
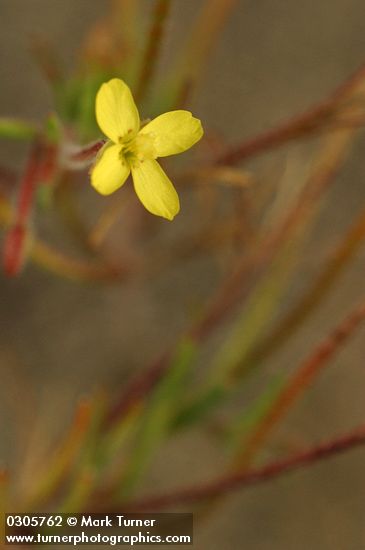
(190, 65)
(152, 47)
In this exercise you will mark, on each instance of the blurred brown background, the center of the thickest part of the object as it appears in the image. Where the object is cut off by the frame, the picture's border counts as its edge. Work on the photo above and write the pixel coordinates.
(274, 58)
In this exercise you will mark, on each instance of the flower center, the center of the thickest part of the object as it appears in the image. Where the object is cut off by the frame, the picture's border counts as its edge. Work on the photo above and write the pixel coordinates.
(139, 149)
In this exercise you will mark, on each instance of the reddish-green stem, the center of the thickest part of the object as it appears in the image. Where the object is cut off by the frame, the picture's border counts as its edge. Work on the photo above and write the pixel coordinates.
(334, 267)
(88, 152)
(298, 126)
(308, 370)
(235, 481)
(151, 54)
(15, 240)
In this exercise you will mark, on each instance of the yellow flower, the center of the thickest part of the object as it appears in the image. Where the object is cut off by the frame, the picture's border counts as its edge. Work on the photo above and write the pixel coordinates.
(134, 149)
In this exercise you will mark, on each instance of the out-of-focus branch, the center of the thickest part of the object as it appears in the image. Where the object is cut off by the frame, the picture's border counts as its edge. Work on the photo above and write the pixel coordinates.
(334, 267)
(208, 25)
(16, 238)
(62, 265)
(86, 153)
(307, 123)
(248, 269)
(65, 456)
(152, 50)
(308, 370)
(47, 60)
(73, 269)
(236, 481)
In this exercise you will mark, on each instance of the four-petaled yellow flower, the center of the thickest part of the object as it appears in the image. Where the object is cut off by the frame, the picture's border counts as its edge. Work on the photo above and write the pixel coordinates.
(134, 149)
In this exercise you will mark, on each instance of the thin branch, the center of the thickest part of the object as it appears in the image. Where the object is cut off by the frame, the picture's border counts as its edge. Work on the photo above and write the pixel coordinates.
(334, 267)
(16, 238)
(49, 166)
(308, 370)
(75, 269)
(28, 184)
(298, 126)
(47, 60)
(63, 457)
(153, 46)
(204, 35)
(238, 284)
(62, 265)
(233, 482)
(88, 152)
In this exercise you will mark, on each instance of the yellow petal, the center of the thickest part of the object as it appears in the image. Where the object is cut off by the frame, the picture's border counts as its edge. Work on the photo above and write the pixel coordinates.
(110, 170)
(155, 190)
(116, 112)
(174, 132)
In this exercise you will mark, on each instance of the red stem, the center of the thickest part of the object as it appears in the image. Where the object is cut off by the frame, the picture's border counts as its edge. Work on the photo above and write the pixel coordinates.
(28, 185)
(15, 240)
(302, 378)
(237, 481)
(297, 126)
(49, 164)
(88, 152)
(161, 11)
